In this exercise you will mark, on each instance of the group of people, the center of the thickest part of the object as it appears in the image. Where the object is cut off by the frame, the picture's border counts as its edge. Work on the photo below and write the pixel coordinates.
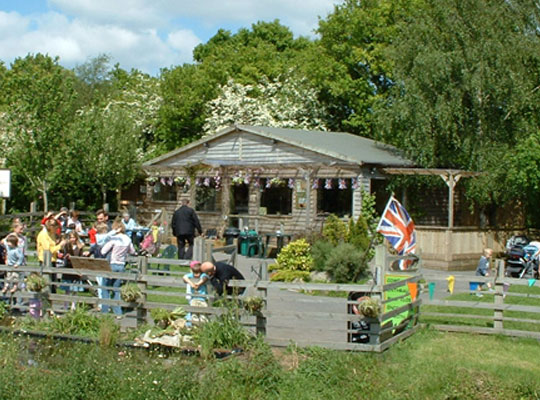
(63, 236)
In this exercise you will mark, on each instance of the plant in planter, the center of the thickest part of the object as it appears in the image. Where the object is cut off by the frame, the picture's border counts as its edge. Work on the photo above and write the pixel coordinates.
(369, 307)
(152, 180)
(161, 317)
(131, 293)
(253, 305)
(35, 283)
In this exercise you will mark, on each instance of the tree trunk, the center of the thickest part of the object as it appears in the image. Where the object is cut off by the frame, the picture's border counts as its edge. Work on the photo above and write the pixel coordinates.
(45, 197)
(104, 196)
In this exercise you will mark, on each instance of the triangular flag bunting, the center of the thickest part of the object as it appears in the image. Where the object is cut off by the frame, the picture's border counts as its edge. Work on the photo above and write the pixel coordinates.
(413, 289)
(532, 282)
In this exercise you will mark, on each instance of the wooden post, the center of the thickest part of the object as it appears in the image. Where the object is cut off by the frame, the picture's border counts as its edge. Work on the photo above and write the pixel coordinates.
(381, 260)
(142, 265)
(263, 293)
(198, 248)
(499, 295)
(208, 251)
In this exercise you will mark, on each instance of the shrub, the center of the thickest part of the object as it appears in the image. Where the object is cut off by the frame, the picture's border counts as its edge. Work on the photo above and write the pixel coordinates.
(223, 332)
(335, 230)
(285, 275)
(344, 262)
(358, 233)
(76, 322)
(320, 251)
(296, 256)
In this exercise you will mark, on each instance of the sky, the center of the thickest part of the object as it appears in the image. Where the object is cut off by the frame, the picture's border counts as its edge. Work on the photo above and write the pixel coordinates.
(144, 34)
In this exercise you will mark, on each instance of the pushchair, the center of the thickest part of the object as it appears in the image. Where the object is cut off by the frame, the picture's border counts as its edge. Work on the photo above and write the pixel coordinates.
(522, 260)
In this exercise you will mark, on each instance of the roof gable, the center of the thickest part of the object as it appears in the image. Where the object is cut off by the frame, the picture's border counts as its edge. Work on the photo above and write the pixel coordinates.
(339, 146)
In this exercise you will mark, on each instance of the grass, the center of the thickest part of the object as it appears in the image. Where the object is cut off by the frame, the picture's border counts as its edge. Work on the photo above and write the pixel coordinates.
(429, 365)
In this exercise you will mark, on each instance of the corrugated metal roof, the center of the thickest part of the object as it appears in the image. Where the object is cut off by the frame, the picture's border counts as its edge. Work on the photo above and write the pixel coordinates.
(340, 145)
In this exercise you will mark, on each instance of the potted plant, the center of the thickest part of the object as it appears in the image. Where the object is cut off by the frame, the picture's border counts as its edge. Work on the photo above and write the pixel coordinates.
(131, 293)
(35, 283)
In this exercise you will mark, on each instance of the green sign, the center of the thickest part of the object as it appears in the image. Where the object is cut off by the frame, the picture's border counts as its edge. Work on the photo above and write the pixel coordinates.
(397, 292)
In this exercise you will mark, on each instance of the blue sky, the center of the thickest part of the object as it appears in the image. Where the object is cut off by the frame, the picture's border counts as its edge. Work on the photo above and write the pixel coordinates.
(143, 34)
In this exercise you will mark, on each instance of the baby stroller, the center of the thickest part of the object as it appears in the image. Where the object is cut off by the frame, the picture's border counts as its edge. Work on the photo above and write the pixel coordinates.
(522, 260)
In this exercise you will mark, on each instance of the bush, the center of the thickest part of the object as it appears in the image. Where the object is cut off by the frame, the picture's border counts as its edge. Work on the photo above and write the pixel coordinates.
(76, 322)
(223, 332)
(358, 233)
(320, 251)
(335, 230)
(344, 262)
(285, 275)
(296, 256)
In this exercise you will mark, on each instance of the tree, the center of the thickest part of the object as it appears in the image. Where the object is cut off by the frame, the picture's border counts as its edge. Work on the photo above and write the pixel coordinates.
(467, 76)
(266, 51)
(350, 66)
(40, 98)
(289, 103)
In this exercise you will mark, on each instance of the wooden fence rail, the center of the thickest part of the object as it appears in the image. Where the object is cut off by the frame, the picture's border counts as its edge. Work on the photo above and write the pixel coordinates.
(501, 312)
(291, 311)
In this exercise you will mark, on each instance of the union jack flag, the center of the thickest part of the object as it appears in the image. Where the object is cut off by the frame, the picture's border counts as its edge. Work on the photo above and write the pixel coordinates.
(398, 228)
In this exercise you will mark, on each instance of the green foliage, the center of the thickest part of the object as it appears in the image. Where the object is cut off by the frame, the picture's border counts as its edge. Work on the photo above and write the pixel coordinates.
(320, 251)
(76, 322)
(130, 292)
(35, 283)
(161, 317)
(4, 310)
(296, 256)
(335, 230)
(359, 235)
(285, 275)
(345, 262)
(224, 332)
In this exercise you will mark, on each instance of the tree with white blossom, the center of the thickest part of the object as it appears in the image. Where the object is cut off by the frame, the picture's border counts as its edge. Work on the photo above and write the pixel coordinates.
(285, 103)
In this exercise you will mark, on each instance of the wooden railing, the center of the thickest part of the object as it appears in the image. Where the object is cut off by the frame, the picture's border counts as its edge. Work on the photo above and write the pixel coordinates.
(500, 312)
(291, 311)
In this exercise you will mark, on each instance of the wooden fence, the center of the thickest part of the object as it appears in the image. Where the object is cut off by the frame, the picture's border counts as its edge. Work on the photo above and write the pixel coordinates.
(302, 313)
(512, 309)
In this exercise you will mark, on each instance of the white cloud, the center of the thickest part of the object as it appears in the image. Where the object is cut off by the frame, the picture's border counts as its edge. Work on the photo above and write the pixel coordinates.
(143, 34)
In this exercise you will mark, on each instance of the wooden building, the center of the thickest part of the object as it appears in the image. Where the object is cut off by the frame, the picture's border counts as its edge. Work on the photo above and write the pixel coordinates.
(269, 179)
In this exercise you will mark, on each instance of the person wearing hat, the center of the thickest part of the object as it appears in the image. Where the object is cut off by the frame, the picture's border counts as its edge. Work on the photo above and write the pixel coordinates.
(196, 284)
(220, 274)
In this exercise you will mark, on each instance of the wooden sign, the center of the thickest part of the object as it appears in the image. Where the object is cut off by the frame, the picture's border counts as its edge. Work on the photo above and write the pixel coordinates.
(92, 264)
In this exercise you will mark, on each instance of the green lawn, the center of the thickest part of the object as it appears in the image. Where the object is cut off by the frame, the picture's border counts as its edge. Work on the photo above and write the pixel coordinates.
(429, 365)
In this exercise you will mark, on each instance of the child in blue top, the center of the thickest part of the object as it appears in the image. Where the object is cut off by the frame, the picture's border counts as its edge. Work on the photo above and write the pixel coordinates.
(196, 283)
(14, 258)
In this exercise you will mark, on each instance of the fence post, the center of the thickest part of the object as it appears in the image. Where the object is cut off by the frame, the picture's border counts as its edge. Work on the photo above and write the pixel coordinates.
(142, 265)
(381, 258)
(198, 248)
(263, 293)
(208, 250)
(499, 293)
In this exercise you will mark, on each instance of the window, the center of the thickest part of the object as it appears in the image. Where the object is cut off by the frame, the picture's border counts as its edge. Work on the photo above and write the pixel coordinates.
(164, 192)
(334, 201)
(239, 199)
(277, 199)
(205, 198)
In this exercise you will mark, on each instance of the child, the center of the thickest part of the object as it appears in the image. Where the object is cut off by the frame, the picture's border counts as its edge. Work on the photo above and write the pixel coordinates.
(196, 282)
(14, 259)
(483, 266)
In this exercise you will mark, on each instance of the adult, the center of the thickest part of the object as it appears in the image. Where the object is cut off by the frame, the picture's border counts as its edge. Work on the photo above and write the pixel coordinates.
(133, 229)
(220, 274)
(184, 222)
(119, 248)
(46, 241)
(103, 216)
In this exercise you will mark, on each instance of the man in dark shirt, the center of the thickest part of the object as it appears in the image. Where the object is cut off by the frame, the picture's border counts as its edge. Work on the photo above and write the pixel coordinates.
(220, 274)
(184, 222)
